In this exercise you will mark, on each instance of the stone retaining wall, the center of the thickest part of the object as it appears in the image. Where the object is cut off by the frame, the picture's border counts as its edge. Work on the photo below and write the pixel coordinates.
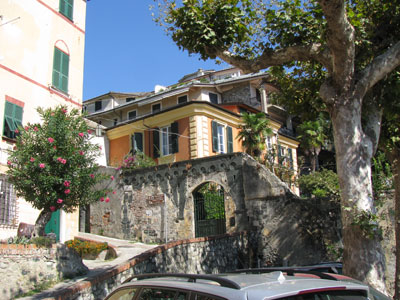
(23, 267)
(200, 255)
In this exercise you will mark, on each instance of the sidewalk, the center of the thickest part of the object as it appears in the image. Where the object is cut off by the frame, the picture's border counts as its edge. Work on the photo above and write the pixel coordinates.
(125, 251)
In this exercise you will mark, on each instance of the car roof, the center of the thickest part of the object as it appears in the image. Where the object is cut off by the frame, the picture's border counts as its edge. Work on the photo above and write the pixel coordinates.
(242, 286)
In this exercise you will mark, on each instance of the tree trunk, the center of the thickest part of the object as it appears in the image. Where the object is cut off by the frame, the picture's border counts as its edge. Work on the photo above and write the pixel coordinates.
(363, 257)
(43, 218)
(394, 158)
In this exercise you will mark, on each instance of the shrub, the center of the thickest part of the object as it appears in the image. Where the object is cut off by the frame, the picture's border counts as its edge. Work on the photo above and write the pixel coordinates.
(322, 184)
(86, 248)
(137, 161)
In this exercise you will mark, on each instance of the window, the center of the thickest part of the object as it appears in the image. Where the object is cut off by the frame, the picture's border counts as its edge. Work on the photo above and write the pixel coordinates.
(129, 99)
(115, 122)
(60, 70)
(269, 143)
(137, 142)
(213, 98)
(98, 106)
(161, 294)
(8, 203)
(12, 119)
(222, 138)
(124, 294)
(182, 99)
(156, 108)
(132, 115)
(66, 8)
(290, 153)
(166, 137)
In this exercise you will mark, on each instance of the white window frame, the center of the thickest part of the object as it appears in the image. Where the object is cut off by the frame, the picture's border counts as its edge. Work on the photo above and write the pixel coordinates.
(165, 140)
(127, 115)
(154, 105)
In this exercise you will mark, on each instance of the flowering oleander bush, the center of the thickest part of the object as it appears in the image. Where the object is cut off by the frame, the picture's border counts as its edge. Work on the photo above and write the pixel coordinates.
(86, 248)
(137, 161)
(53, 164)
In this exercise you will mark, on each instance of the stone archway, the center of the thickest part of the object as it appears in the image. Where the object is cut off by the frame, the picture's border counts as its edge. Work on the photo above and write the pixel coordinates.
(209, 209)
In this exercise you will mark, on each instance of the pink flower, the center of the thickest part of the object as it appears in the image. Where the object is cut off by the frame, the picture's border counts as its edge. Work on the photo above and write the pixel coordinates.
(54, 147)
(100, 148)
(16, 131)
(81, 152)
(8, 162)
(112, 177)
(67, 191)
(64, 111)
(26, 128)
(101, 199)
(32, 159)
(114, 192)
(51, 140)
(89, 131)
(59, 201)
(62, 160)
(92, 176)
(42, 166)
(67, 183)
(81, 134)
(52, 208)
(35, 128)
(107, 200)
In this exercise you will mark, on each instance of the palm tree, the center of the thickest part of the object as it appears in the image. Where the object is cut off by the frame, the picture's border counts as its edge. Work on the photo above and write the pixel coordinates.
(312, 137)
(253, 132)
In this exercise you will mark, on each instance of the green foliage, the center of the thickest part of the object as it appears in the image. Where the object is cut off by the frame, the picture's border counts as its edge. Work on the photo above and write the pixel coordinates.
(137, 161)
(86, 247)
(367, 221)
(212, 24)
(324, 183)
(53, 164)
(40, 241)
(214, 205)
(280, 165)
(20, 240)
(253, 132)
(382, 176)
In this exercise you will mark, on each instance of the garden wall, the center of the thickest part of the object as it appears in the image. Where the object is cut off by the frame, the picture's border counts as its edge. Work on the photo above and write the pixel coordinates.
(23, 267)
(201, 255)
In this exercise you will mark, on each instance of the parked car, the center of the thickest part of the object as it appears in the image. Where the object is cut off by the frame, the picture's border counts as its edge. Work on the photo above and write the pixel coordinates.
(284, 284)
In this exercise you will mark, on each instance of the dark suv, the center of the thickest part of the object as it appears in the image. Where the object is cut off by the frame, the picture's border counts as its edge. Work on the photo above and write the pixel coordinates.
(286, 284)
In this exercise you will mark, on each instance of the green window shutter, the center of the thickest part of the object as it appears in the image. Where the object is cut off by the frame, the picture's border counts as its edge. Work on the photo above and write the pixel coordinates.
(175, 137)
(138, 141)
(67, 8)
(60, 70)
(214, 132)
(229, 139)
(290, 150)
(279, 151)
(156, 143)
(12, 119)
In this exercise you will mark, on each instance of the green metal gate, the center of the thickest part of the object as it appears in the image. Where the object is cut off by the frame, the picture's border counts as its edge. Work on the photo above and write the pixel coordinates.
(209, 210)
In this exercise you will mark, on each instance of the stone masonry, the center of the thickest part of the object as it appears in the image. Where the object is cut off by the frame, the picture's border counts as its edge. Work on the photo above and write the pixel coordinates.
(156, 204)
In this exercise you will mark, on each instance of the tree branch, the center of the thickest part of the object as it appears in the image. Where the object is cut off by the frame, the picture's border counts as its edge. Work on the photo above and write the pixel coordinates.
(340, 40)
(278, 57)
(378, 69)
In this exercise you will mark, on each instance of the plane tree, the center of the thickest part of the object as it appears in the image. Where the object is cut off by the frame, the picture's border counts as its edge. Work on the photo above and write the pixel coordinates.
(355, 42)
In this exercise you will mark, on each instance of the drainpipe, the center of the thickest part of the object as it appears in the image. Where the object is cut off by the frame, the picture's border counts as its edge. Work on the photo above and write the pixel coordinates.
(264, 98)
(165, 219)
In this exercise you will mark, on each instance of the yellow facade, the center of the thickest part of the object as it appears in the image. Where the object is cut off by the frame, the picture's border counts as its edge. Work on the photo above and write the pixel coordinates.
(31, 32)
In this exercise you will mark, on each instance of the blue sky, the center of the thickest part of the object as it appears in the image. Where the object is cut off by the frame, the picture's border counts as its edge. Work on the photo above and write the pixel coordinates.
(126, 51)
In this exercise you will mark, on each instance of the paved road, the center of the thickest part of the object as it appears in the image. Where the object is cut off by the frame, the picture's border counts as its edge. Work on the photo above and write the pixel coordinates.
(125, 251)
